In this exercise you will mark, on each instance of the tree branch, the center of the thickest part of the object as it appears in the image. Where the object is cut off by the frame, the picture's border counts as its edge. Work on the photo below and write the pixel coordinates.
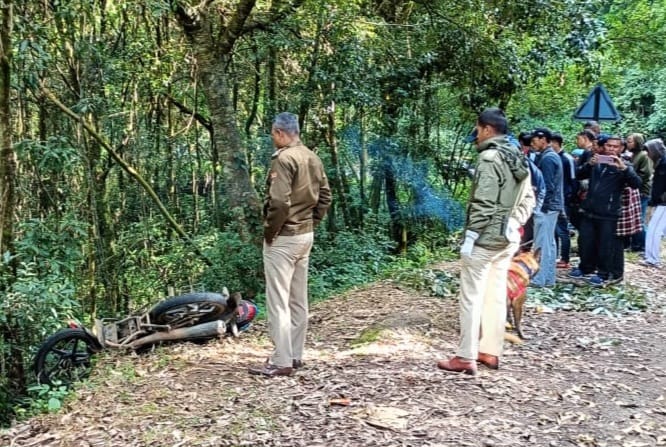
(235, 27)
(277, 13)
(186, 110)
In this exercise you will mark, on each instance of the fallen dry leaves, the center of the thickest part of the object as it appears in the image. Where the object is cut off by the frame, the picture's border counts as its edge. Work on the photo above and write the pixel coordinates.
(370, 380)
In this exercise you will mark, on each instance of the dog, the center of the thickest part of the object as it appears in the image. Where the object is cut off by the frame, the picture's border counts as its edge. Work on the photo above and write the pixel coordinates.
(523, 267)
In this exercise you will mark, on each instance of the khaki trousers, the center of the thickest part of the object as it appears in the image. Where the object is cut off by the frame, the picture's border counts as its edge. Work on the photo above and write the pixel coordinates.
(483, 278)
(286, 270)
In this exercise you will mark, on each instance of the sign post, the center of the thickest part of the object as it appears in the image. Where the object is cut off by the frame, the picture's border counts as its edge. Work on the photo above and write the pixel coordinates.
(598, 107)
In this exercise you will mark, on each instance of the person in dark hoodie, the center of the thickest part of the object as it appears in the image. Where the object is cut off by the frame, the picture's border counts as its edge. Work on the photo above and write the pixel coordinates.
(657, 226)
(599, 245)
(501, 200)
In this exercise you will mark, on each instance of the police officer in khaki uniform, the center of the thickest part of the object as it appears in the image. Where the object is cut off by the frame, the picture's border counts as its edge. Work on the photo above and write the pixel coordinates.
(297, 199)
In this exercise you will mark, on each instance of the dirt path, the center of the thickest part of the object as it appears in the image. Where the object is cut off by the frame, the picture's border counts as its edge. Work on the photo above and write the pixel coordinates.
(581, 380)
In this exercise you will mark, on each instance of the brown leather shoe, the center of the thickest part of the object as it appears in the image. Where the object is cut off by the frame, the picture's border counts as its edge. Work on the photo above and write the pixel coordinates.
(490, 361)
(294, 363)
(457, 364)
(270, 370)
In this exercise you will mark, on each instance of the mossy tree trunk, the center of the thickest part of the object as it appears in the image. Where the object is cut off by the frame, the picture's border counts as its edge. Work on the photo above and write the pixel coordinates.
(212, 33)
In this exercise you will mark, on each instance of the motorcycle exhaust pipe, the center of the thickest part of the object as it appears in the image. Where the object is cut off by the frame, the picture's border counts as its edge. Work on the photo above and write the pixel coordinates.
(205, 330)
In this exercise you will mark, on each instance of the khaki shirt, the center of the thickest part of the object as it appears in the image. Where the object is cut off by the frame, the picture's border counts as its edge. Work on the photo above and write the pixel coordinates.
(297, 192)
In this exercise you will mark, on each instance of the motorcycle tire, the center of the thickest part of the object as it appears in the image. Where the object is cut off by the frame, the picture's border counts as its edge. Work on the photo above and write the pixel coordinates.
(65, 357)
(190, 309)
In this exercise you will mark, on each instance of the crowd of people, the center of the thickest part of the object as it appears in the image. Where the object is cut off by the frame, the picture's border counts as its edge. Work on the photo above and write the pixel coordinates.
(601, 191)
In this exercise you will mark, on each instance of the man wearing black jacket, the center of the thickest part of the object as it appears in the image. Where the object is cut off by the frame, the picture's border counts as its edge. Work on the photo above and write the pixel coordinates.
(599, 244)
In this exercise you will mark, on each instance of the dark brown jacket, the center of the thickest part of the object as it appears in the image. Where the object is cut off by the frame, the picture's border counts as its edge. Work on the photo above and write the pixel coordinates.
(297, 192)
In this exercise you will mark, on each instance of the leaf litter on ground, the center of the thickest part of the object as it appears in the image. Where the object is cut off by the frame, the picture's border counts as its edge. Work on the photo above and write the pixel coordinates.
(370, 379)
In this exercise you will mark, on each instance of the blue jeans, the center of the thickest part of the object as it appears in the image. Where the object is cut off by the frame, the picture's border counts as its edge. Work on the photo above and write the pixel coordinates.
(544, 238)
(562, 235)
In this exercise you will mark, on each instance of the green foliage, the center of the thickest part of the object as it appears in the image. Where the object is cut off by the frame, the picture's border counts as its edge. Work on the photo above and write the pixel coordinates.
(352, 258)
(607, 301)
(36, 304)
(642, 99)
(367, 336)
(155, 259)
(42, 398)
(39, 294)
(346, 259)
(237, 264)
(436, 282)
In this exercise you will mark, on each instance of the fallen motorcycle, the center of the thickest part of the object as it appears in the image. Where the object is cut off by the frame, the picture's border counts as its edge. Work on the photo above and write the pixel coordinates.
(65, 357)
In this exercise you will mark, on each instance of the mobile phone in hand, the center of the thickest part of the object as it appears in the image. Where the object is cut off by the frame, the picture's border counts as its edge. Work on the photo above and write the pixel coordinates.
(605, 159)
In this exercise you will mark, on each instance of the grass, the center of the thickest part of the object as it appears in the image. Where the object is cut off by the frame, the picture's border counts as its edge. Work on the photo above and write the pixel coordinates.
(368, 335)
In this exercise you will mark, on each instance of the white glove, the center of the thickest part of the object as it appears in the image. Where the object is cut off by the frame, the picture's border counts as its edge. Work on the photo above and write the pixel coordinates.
(468, 243)
(512, 232)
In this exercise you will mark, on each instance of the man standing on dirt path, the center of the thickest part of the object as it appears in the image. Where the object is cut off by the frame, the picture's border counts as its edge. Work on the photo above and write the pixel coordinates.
(599, 247)
(501, 200)
(545, 219)
(297, 199)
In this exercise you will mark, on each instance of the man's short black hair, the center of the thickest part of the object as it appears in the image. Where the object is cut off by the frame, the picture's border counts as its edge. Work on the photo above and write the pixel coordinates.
(587, 134)
(556, 136)
(495, 118)
(542, 132)
(525, 138)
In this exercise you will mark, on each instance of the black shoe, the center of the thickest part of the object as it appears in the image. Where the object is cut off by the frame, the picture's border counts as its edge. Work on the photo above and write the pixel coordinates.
(297, 364)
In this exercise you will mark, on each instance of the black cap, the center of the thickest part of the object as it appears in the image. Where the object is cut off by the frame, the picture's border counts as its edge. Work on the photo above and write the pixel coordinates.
(541, 132)
(602, 138)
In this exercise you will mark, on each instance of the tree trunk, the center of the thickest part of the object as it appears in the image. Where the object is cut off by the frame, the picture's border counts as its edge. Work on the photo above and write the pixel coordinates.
(271, 86)
(393, 203)
(212, 56)
(7, 156)
(338, 182)
(12, 374)
(363, 170)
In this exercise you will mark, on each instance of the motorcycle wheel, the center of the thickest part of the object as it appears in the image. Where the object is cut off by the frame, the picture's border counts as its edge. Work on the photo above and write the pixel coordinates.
(190, 309)
(65, 357)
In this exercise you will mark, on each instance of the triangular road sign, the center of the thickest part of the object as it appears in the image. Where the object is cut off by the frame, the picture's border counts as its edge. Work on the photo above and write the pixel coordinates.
(598, 107)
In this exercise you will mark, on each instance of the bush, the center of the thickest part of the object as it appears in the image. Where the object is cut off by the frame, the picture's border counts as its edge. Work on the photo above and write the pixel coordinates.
(237, 265)
(32, 309)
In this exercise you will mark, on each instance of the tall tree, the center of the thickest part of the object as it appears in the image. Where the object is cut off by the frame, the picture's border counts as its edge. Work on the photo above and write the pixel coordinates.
(12, 375)
(213, 31)
(7, 156)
